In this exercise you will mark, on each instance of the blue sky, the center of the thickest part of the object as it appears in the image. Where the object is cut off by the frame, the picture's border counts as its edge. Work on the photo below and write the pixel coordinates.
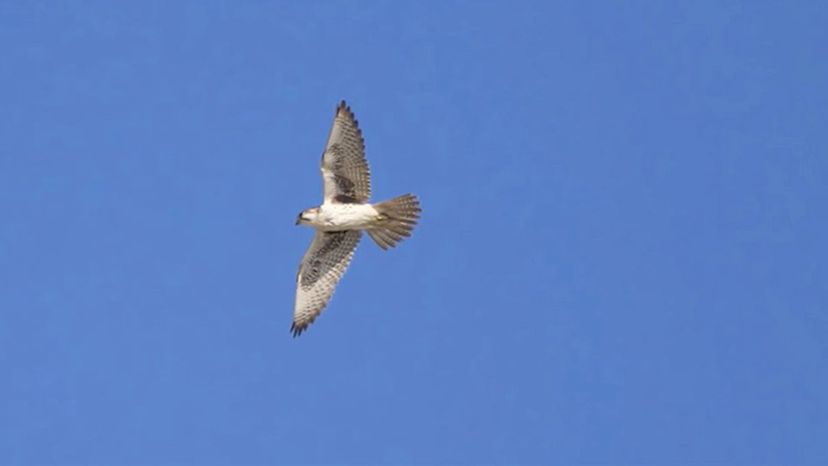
(621, 258)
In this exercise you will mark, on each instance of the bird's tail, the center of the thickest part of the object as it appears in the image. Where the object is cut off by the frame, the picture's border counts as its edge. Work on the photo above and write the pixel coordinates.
(397, 218)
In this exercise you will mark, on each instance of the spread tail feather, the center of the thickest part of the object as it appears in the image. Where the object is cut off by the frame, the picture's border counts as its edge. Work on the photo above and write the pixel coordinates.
(397, 218)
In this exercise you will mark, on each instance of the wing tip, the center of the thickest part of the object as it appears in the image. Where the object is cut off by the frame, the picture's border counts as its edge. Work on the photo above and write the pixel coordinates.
(297, 329)
(343, 106)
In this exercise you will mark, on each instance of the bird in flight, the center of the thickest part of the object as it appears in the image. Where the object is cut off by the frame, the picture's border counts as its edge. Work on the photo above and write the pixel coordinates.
(344, 214)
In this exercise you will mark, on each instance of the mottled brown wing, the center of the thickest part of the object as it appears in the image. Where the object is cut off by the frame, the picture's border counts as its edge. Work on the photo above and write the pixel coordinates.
(345, 173)
(324, 264)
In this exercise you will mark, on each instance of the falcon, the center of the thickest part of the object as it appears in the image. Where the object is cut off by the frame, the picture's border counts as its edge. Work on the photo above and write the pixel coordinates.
(344, 214)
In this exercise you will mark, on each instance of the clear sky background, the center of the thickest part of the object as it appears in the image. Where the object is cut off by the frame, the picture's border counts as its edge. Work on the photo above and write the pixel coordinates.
(622, 256)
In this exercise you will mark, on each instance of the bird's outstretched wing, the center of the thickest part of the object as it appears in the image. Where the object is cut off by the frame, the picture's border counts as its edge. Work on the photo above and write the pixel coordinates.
(345, 173)
(322, 266)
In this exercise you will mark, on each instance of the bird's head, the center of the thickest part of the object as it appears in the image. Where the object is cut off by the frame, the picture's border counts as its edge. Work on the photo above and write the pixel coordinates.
(307, 216)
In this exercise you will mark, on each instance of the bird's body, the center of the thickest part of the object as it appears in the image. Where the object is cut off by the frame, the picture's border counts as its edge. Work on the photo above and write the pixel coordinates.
(344, 214)
(332, 216)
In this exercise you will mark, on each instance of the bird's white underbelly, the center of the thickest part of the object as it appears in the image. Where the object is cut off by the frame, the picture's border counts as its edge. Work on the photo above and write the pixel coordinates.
(338, 217)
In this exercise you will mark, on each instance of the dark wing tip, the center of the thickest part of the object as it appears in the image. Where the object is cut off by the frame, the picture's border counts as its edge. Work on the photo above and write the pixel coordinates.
(297, 329)
(346, 109)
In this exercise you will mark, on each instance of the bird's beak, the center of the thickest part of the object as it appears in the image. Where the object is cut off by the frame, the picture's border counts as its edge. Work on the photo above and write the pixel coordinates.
(298, 219)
